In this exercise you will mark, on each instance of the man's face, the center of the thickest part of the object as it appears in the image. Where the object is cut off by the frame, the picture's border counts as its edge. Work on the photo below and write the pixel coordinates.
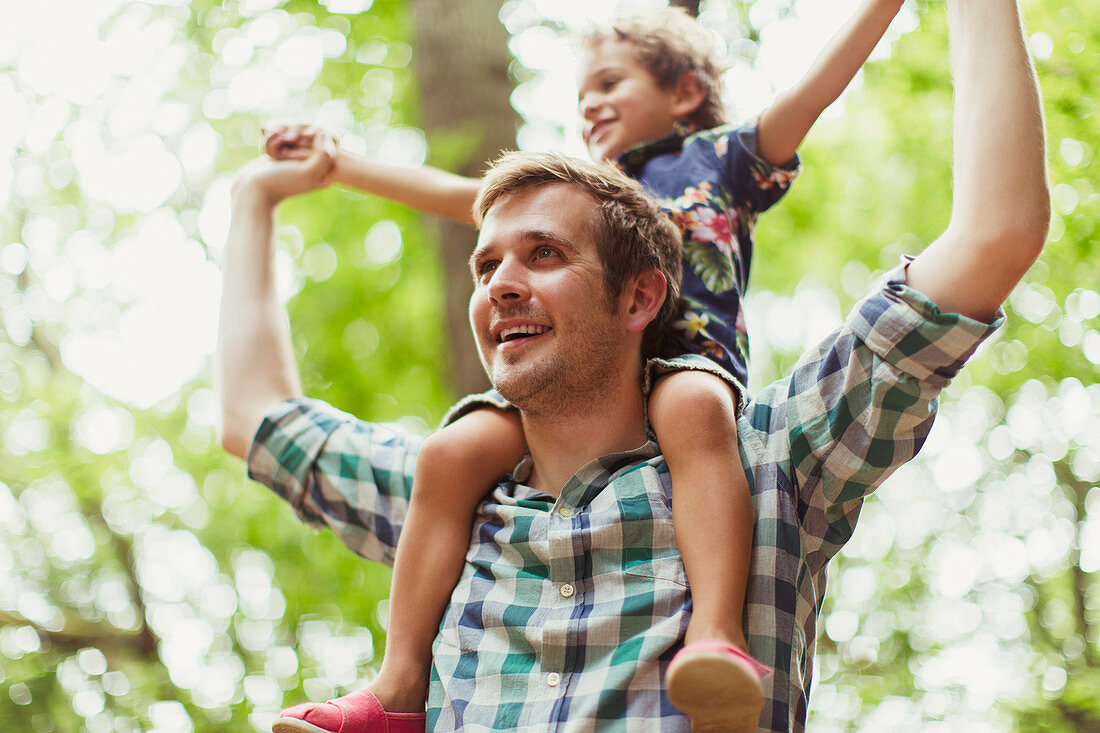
(620, 103)
(549, 334)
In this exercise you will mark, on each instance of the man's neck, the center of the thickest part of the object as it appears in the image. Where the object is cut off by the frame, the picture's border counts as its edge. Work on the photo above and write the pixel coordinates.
(564, 442)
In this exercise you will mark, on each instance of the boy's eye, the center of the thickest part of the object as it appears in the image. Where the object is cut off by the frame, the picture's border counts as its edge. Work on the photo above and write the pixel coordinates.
(484, 268)
(542, 252)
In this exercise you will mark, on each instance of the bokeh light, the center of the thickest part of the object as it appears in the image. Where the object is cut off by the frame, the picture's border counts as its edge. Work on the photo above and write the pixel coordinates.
(144, 585)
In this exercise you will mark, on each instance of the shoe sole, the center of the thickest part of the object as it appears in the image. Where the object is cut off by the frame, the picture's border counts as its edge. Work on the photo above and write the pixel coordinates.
(716, 693)
(294, 725)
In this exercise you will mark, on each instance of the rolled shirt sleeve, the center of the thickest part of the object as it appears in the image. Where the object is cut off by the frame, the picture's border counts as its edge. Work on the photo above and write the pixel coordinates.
(862, 403)
(337, 471)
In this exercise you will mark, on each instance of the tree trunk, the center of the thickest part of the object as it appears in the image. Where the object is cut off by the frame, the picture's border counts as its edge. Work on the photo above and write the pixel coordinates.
(462, 61)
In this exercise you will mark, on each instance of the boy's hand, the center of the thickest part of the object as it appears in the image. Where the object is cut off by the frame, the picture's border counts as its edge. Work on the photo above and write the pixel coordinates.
(283, 141)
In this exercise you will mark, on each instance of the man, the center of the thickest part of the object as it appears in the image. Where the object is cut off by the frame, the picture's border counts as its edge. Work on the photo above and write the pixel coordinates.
(573, 597)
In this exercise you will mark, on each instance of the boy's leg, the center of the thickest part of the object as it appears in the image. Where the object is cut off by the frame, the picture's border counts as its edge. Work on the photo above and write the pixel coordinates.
(694, 415)
(455, 468)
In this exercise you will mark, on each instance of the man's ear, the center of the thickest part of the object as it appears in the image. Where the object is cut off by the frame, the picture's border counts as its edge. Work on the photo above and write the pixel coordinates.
(646, 295)
(687, 95)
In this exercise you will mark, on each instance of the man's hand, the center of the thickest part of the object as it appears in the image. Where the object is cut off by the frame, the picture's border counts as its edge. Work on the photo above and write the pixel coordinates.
(291, 141)
(301, 159)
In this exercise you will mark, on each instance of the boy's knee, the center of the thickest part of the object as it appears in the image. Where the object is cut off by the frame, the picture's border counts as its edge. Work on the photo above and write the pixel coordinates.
(439, 449)
(478, 447)
(692, 399)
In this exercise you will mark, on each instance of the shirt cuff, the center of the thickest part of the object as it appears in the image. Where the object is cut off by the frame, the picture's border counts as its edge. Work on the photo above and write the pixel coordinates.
(748, 136)
(286, 445)
(907, 330)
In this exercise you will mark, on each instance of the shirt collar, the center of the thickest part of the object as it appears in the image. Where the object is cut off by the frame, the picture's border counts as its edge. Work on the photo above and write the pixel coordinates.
(593, 476)
(633, 160)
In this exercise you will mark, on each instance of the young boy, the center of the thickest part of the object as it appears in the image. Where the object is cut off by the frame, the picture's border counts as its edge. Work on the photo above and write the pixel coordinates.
(647, 85)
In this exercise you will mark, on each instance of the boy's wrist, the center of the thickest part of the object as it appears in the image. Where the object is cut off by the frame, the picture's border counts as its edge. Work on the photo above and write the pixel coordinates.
(345, 164)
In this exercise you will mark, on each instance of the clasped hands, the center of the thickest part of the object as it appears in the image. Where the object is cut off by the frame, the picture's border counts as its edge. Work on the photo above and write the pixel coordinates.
(300, 158)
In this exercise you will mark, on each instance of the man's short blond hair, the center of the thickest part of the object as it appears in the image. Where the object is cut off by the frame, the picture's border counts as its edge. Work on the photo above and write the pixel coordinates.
(631, 232)
(669, 43)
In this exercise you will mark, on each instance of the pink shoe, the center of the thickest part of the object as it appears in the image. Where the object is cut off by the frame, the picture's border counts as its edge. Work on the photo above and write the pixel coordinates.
(717, 686)
(359, 712)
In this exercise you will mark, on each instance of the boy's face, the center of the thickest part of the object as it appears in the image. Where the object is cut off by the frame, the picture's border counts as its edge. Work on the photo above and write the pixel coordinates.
(620, 103)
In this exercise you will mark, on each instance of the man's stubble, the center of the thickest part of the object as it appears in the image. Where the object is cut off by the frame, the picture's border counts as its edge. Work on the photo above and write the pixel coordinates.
(572, 378)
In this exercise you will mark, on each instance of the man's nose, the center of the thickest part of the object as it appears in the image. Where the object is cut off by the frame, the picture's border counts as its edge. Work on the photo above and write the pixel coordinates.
(508, 283)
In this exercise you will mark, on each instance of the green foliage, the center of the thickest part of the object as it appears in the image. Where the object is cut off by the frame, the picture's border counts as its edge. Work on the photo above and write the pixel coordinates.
(144, 581)
(877, 184)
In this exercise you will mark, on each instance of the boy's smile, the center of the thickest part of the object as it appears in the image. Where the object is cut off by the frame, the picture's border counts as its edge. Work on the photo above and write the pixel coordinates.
(620, 103)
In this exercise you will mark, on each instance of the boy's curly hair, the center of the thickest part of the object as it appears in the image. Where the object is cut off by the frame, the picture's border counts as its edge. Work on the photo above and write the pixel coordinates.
(669, 43)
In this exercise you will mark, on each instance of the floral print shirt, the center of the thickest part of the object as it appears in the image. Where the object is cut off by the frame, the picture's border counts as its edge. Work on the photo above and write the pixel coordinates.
(714, 186)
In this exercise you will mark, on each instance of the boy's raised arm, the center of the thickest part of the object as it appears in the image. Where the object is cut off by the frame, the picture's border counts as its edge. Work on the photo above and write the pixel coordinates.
(423, 188)
(785, 124)
(426, 189)
(254, 363)
(1001, 205)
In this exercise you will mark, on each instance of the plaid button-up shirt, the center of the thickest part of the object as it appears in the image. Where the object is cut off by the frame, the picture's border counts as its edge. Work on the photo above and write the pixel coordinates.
(570, 608)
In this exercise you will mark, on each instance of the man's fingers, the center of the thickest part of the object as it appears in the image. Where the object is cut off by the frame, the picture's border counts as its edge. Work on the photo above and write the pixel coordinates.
(281, 147)
(307, 145)
(295, 154)
(328, 142)
(329, 145)
(307, 135)
(273, 145)
(322, 158)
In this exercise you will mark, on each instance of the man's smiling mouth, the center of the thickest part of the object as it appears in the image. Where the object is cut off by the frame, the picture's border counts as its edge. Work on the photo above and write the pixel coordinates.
(519, 332)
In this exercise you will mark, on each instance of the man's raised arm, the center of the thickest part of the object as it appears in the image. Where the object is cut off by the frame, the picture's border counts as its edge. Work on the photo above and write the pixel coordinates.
(862, 403)
(255, 366)
(1001, 204)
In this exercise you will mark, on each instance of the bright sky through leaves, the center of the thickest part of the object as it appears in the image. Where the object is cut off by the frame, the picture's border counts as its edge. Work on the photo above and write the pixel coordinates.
(108, 92)
(118, 133)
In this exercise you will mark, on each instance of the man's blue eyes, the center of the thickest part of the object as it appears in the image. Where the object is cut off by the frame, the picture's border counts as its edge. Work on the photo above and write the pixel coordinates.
(540, 253)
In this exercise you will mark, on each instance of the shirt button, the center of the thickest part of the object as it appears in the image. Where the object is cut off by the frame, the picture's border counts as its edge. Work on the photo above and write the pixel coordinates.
(553, 679)
(567, 590)
(565, 512)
